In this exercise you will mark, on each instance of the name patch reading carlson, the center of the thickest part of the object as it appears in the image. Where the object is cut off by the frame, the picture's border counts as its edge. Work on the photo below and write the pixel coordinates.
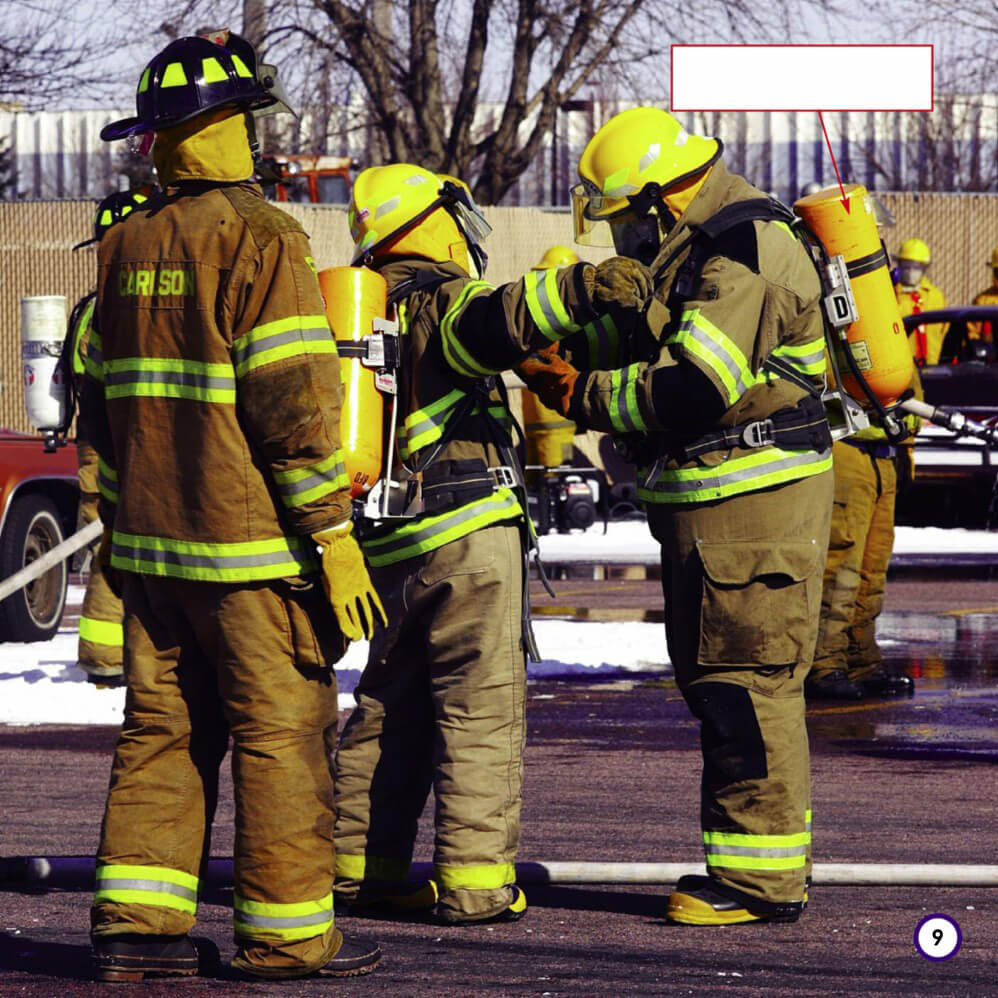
(164, 282)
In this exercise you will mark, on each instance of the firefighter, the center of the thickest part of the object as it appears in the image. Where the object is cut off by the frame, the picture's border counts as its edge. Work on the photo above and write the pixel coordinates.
(99, 649)
(556, 256)
(989, 296)
(441, 700)
(916, 293)
(717, 398)
(870, 472)
(216, 398)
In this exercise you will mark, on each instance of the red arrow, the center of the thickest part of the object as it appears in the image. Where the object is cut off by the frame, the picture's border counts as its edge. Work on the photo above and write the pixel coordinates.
(828, 142)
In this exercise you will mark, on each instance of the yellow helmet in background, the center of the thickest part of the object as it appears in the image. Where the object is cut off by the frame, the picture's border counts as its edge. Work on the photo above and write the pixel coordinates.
(556, 256)
(406, 210)
(628, 164)
(916, 250)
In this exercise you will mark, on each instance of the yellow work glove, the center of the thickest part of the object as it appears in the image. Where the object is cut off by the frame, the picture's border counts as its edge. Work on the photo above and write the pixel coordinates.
(619, 281)
(347, 583)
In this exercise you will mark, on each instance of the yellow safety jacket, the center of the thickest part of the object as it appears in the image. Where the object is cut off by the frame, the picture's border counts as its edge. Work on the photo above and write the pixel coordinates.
(926, 341)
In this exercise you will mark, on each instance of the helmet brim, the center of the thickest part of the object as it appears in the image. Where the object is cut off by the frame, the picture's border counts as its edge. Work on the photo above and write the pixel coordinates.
(123, 128)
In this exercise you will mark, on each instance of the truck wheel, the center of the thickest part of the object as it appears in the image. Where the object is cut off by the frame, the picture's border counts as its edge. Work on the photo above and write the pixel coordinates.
(34, 612)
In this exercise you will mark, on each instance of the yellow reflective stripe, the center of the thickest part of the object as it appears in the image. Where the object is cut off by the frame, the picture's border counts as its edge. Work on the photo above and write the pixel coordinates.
(273, 341)
(174, 76)
(107, 480)
(455, 353)
(545, 305)
(757, 862)
(372, 868)
(792, 839)
(423, 426)
(808, 358)
(94, 360)
(431, 532)
(212, 72)
(102, 632)
(144, 80)
(484, 877)
(624, 412)
(698, 336)
(783, 227)
(301, 920)
(304, 485)
(80, 356)
(604, 343)
(226, 562)
(152, 885)
(771, 466)
(241, 68)
(169, 377)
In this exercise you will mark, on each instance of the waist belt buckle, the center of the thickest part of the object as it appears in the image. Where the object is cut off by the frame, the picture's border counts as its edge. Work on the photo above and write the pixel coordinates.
(503, 476)
(761, 433)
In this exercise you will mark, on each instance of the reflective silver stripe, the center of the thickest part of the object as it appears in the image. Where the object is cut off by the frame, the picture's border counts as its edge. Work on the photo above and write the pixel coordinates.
(717, 350)
(227, 561)
(187, 378)
(241, 354)
(556, 325)
(314, 479)
(707, 480)
(284, 922)
(722, 850)
(156, 886)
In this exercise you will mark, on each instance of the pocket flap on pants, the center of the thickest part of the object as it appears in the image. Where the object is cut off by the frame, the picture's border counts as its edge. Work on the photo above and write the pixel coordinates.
(737, 563)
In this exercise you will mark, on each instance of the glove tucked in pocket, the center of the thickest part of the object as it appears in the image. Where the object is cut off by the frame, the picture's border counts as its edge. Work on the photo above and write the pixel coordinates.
(760, 602)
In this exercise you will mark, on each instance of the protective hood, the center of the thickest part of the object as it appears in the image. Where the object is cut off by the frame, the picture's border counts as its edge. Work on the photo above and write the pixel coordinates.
(212, 146)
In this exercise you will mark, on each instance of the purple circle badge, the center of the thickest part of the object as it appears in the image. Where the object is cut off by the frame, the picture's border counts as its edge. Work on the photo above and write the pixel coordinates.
(938, 937)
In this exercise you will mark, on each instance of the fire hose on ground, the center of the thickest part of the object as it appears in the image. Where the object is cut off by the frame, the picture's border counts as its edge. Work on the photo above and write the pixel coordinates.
(40, 872)
(50, 559)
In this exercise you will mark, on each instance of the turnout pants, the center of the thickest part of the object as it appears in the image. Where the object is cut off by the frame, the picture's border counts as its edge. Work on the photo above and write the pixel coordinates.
(441, 704)
(859, 551)
(742, 583)
(204, 660)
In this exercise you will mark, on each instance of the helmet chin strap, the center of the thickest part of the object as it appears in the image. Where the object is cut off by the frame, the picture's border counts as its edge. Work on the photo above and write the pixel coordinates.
(262, 170)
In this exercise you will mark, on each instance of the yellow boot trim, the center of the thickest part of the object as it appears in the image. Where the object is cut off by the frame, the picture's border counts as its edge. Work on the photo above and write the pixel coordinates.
(688, 910)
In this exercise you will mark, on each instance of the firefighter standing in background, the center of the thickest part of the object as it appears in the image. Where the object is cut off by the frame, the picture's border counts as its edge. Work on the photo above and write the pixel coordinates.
(216, 403)
(720, 397)
(441, 700)
(99, 650)
(916, 293)
(989, 296)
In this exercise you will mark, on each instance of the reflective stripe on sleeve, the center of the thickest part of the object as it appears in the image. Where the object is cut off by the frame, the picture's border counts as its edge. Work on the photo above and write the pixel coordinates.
(755, 852)
(545, 305)
(699, 337)
(80, 356)
(604, 343)
(153, 885)
(261, 920)
(107, 480)
(455, 352)
(102, 632)
(169, 377)
(305, 485)
(770, 466)
(431, 532)
(424, 426)
(93, 361)
(808, 358)
(280, 339)
(239, 562)
(624, 412)
(483, 877)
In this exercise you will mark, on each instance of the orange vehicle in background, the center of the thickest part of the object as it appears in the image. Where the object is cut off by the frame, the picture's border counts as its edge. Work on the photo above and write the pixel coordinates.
(310, 179)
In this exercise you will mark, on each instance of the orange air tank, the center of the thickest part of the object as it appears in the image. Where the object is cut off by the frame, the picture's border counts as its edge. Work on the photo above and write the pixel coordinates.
(877, 338)
(355, 297)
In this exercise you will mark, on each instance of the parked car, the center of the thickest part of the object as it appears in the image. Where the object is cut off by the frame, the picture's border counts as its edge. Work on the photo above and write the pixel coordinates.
(38, 499)
(955, 477)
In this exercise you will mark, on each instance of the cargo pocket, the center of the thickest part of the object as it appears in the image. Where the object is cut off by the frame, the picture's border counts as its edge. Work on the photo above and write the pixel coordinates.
(758, 602)
(316, 637)
(469, 555)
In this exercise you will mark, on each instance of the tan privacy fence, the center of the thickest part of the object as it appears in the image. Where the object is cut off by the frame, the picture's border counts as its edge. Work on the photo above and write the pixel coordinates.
(36, 256)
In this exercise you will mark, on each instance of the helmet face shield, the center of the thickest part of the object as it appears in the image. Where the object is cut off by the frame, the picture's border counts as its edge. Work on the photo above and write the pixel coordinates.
(591, 228)
(636, 237)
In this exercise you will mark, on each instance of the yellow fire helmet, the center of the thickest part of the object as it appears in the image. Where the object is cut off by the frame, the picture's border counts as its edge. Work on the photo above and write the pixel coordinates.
(628, 164)
(916, 250)
(556, 256)
(994, 257)
(405, 210)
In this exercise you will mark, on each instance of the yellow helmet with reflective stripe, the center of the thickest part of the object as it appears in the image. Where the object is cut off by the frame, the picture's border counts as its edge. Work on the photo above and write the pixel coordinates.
(636, 156)
(556, 256)
(916, 250)
(406, 210)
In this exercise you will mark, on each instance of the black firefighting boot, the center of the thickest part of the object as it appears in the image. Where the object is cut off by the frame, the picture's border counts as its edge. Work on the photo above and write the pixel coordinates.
(831, 686)
(392, 901)
(353, 956)
(700, 900)
(132, 956)
(513, 911)
(882, 683)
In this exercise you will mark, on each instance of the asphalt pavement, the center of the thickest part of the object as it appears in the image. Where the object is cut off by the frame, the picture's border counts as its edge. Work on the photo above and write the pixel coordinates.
(612, 772)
